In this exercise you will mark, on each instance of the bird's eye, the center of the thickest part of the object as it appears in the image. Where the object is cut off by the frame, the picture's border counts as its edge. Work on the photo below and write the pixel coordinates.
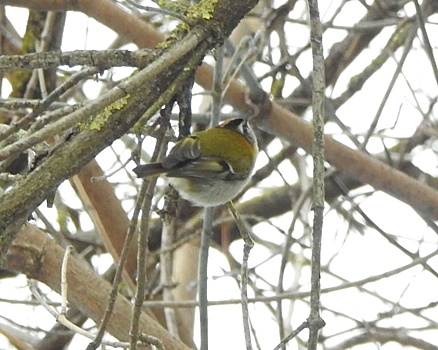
(245, 128)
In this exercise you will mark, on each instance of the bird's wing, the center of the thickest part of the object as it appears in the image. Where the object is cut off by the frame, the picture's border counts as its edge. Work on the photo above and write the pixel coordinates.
(185, 160)
(209, 168)
(184, 151)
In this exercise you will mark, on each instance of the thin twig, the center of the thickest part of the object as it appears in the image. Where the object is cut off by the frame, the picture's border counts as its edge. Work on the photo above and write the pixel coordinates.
(292, 335)
(203, 276)
(389, 90)
(22, 103)
(118, 277)
(209, 212)
(45, 103)
(248, 245)
(141, 262)
(428, 46)
(239, 64)
(104, 59)
(286, 249)
(60, 317)
(143, 250)
(162, 11)
(299, 295)
(168, 234)
(166, 274)
(315, 321)
(217, 86)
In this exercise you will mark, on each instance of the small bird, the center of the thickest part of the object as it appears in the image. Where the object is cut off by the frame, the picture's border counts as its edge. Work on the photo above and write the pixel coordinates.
(210, 167)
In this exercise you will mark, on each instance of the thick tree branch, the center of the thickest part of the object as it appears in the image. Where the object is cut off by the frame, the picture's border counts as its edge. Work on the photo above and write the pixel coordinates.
(145, 89)
(40, 258)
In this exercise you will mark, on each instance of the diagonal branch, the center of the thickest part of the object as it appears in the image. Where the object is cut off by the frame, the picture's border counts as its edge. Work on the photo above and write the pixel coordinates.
(145, 91)
(34, 254)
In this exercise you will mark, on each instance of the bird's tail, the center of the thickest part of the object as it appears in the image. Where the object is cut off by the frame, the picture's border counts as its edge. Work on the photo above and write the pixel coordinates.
(151, 169)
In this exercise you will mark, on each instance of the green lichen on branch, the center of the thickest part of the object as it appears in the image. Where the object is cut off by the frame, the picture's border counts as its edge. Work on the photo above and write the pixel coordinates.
(203, 9)
(96, 122)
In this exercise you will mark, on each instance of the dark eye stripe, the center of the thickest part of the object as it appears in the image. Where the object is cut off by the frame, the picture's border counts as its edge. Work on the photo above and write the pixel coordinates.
(232, 123)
